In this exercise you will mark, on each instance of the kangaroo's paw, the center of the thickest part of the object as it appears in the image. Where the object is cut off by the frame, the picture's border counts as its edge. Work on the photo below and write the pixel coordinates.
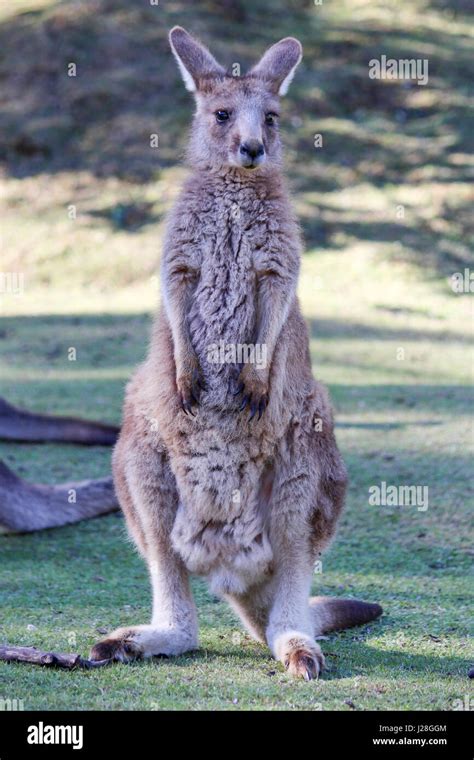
(253, 385)
(190, 384)
(300, 655)
(119, 646)
(127, 644)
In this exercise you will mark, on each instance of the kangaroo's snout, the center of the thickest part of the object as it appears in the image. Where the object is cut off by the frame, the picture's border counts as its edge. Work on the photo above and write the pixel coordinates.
(251, 153)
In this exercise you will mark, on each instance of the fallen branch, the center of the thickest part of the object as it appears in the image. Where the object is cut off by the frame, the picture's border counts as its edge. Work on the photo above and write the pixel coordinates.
(21, 425)
(25, 507)
(50, 659)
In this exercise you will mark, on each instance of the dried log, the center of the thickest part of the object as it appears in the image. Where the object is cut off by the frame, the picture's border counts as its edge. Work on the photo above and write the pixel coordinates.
(25, 507)
(51, 659)
(20, 425)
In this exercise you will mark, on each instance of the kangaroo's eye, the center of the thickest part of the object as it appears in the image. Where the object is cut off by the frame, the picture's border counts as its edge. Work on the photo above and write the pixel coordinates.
(270, 118)
(222, 116)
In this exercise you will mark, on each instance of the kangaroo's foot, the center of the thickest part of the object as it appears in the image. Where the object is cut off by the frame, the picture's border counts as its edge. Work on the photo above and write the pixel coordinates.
(300, 655)
(127, 644)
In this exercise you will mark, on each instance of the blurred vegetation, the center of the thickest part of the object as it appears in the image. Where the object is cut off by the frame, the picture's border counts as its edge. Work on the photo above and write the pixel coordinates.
(85, 140)
(386, 210)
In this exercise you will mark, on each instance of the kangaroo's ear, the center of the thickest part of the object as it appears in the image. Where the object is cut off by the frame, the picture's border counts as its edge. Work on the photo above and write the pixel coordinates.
(279, 63)
(194, 60)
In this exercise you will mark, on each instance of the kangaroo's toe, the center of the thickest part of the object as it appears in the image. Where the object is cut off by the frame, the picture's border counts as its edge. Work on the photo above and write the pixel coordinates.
(116, 649)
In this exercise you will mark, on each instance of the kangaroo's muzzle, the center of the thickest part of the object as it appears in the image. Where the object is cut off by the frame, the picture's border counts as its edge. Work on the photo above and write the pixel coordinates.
(251, 154)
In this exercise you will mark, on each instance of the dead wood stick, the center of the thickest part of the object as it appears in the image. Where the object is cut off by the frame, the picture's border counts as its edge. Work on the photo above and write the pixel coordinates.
(36, 656)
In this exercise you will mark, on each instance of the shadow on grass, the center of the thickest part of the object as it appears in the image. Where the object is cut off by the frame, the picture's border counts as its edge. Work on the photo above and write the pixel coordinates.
(109, 347)
(362, 660)
(395, 398)
(331, 329)
(396, 662)
(420, 241)
(103, 340)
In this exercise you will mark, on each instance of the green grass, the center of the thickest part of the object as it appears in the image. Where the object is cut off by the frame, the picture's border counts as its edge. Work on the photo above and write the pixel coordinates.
(388, 336)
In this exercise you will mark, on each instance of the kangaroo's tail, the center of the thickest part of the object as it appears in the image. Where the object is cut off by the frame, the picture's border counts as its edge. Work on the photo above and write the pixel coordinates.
(334, 614)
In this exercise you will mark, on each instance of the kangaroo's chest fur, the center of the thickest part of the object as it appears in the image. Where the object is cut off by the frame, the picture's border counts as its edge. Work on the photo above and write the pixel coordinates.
(223, 310)
(227, 235)
(229, 231)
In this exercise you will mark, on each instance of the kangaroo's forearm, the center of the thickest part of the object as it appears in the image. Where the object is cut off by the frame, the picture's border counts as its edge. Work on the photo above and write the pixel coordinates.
(177, 296)
(275, 296)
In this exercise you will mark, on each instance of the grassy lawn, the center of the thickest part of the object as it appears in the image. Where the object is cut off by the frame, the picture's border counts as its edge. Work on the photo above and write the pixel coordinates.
(385, 207)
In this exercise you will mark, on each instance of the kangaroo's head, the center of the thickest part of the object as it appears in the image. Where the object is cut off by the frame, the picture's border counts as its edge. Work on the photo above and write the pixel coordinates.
(236, 121)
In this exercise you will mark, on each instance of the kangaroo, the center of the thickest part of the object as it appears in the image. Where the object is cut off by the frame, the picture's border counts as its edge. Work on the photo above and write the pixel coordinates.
(228, 468)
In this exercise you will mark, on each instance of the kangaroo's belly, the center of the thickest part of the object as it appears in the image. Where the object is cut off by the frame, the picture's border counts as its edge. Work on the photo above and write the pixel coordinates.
(220, 529)
(233, 556)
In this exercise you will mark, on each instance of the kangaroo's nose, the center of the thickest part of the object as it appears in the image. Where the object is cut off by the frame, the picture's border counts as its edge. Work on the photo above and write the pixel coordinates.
(252, 149)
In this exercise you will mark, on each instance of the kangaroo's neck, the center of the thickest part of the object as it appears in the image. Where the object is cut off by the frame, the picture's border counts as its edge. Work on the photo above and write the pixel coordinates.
(264, 183)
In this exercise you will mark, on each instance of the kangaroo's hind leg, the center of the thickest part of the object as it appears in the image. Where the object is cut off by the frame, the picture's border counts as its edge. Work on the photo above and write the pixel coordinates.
(253, 608)
(303, 514)
(307, 496)
(148, 495)
(326, 614)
